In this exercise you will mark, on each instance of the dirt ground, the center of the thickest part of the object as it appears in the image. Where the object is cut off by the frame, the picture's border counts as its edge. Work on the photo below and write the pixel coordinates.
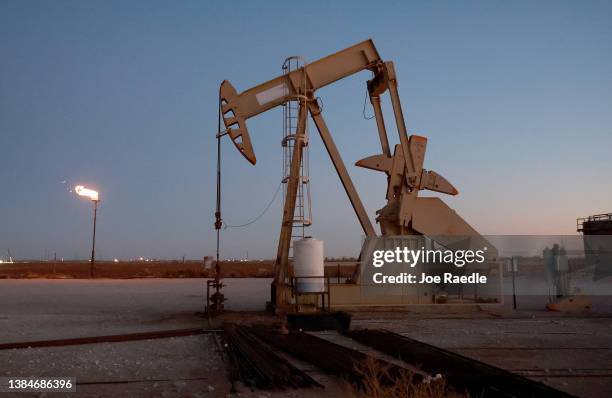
(36, 309)
(572, 353)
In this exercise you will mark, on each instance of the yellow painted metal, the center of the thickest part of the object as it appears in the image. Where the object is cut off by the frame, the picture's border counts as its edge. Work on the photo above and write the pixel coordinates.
(405, 212)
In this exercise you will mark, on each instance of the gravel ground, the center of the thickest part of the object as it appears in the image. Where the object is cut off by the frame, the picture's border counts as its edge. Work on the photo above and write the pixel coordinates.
(172, 367)
(571, 353)
(528, 341)
(39, 309)
(185, 366)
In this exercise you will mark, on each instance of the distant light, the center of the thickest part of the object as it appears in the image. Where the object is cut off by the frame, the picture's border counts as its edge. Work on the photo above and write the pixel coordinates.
(115, 261)
(90, 193)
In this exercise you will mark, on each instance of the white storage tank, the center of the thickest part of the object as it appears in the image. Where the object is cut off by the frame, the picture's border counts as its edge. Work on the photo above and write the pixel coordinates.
(308, 260)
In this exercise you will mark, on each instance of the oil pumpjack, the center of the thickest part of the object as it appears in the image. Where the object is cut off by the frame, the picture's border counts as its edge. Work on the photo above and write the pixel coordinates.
(405, 213)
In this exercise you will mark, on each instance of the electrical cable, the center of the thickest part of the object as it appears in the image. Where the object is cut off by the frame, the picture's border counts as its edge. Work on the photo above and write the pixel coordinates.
(320, 104)
(365, 97)
(261, 214)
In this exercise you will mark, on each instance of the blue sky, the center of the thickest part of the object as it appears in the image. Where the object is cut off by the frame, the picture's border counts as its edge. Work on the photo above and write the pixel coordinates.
(515, 98)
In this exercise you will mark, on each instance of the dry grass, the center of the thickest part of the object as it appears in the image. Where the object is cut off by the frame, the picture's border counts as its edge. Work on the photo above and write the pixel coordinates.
(405, 385)
(133, 269)
(149, 269)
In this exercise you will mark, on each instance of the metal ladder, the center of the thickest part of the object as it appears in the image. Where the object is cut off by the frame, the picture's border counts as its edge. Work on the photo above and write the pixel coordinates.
(302, 216)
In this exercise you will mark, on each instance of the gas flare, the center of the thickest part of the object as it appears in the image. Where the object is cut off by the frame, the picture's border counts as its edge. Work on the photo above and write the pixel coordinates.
(82, 191)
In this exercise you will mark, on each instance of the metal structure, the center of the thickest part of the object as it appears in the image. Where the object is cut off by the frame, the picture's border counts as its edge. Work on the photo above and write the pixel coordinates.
(256, 365)
(467, 375)
(323, 296)
(214, 302)
(405, 212)
(597, 232)
(556, 263)
(93, 240)
(598, 224)
(95, 198)
(597, 237)
(332, 358)
(302, 217)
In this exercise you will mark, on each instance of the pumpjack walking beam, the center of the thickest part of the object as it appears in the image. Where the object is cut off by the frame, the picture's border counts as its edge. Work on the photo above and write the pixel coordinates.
(237, 108)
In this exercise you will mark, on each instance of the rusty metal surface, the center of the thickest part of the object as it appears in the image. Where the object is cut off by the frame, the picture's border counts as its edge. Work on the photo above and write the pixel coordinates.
(331, 358)
(463, 373)
(256, 365)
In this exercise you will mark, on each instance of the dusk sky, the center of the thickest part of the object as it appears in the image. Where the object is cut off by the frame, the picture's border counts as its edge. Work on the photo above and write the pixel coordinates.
(514, 97)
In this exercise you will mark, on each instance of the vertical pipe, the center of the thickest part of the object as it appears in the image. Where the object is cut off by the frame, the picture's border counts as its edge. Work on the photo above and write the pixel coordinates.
(93, 241)
(514, 265)
(218, 219)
